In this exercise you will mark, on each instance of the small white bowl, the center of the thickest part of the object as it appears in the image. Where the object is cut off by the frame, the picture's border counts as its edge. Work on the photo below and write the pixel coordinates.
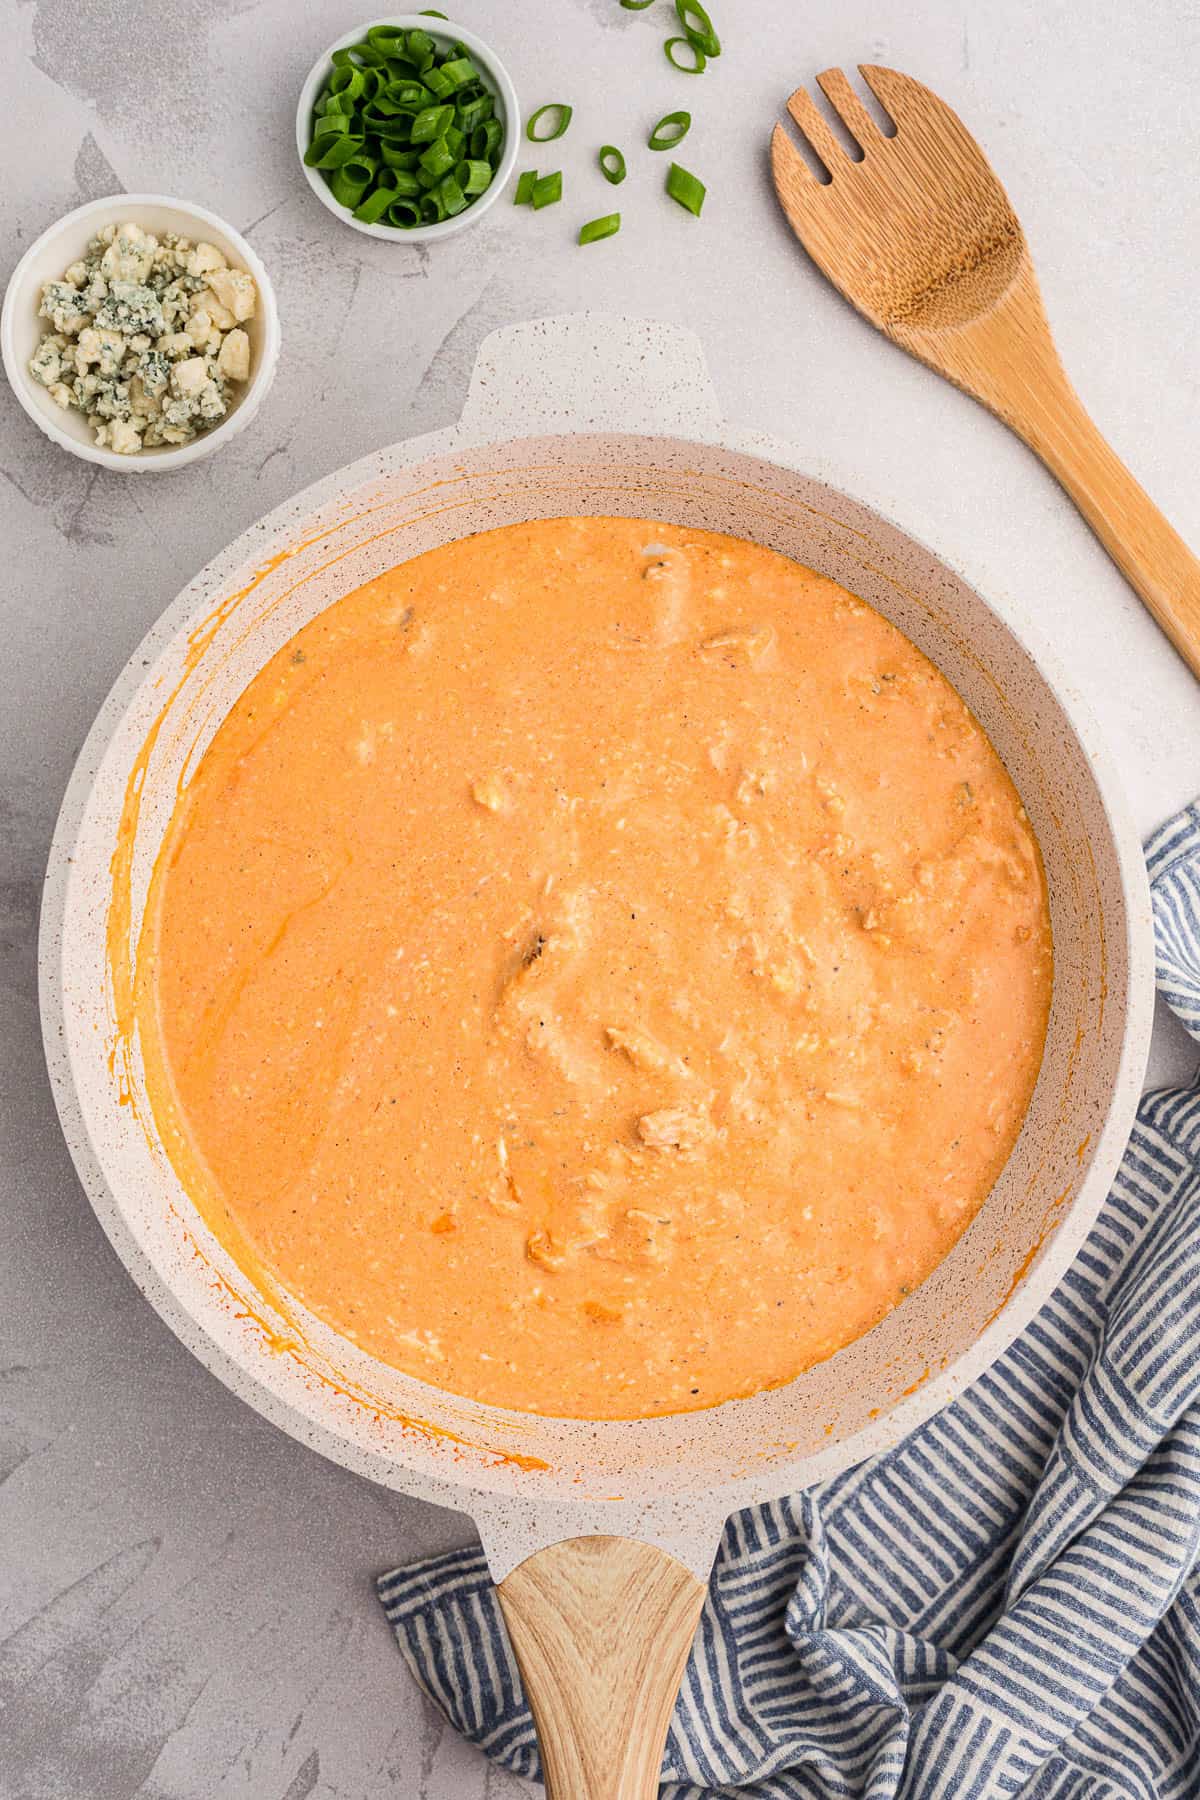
(21, 330)
(508, 112)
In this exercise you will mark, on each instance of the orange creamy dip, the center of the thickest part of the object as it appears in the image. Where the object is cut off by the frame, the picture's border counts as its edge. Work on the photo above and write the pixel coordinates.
(599, 967)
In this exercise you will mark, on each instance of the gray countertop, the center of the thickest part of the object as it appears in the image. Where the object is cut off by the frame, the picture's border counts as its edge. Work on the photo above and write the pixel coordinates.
(185, 1601)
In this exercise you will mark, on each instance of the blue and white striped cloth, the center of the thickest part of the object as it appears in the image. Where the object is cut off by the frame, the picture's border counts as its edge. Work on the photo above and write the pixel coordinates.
(1009, 1602)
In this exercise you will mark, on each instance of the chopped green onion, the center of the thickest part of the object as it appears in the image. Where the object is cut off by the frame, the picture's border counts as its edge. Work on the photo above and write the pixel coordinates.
(453, 198)
(405, 129)
(698, 27)
(438, 160)
(485, 139)
(546, 190)
(612, 164)
(526, 182)
(595, 229)
(431, 12)
(339, 150)
(387, 39)
(411, 96)
(376, 204)
(636, 5)
(471, 113)
(473, 175)
(330, 124)
(559, 123)
(431, 123)
(699, 59)
(349, 183)
(671, 129)
(347, 80)
(688, 189)
(459, 72)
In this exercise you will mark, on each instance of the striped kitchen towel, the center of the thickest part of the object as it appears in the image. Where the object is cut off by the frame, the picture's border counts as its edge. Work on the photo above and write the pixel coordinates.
(1009, 1602)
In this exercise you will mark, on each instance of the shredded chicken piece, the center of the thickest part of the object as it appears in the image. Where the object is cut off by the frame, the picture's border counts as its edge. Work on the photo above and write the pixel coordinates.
(600, 1314)
(651, 1232)
(754, 643)
(492, 792)
(540, 1247)
(680, 1128)
(643, 1050)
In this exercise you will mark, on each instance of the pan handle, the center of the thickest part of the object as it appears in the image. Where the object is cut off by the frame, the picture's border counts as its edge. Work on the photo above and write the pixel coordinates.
(590, 371)
(601, 1628)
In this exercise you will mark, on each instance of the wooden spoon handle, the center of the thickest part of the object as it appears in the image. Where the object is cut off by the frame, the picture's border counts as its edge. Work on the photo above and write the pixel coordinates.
(1008, 359)
(601, 1627)
(1144, 545)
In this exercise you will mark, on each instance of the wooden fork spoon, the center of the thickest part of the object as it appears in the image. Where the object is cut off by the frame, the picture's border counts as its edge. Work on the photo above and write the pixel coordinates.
(919, 235)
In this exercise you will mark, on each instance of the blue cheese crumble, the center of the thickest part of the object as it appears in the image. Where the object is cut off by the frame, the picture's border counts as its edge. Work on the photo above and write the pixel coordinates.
(147, 337)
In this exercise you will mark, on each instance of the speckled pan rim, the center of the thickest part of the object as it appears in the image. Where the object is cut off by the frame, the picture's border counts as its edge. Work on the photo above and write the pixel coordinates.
(706, 1511)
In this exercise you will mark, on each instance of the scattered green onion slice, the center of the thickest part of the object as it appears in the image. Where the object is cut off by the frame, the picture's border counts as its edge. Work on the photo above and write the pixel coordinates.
(698, 27)
(612, 165)
(636, 5)
(546, 190)
(687, 188)
(562, 118)
(405, 129)
(526, 182)
(595, 229)
(671, 129)
(699, 59)
(431, 12)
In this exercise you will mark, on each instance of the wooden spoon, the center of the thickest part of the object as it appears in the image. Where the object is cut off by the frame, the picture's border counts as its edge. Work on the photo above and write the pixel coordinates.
(919, 235)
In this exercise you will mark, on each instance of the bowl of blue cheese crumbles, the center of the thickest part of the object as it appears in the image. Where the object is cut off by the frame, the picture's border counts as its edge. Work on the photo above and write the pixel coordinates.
(140, 332)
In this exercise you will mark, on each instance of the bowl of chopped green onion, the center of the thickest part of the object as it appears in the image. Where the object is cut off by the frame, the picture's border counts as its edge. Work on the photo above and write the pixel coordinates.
(408, 127)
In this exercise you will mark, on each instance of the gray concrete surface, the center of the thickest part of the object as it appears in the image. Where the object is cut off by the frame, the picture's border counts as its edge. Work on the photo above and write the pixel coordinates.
(185, 1603)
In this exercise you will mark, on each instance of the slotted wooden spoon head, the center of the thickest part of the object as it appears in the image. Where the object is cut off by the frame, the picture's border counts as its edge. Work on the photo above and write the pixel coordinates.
(918, 235)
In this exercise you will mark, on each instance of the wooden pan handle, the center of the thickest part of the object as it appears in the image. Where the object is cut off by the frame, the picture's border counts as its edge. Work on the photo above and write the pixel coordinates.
(601, 1627)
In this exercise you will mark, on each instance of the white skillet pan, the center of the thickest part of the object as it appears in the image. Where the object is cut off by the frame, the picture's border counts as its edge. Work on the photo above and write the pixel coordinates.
(601, 1534)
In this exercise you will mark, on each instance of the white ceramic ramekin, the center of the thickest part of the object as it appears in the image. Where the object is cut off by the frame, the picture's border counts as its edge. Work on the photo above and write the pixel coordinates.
(21, 329)
(507, 111)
